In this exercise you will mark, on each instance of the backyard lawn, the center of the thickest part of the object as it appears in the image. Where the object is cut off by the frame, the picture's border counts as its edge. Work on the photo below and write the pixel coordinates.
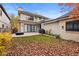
(42, 45)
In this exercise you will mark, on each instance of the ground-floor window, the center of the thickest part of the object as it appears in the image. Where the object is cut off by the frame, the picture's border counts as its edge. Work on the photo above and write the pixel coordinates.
(31, 28)
(72, 25)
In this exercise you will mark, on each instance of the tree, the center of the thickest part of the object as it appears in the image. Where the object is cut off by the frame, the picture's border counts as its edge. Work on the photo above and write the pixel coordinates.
(74, 11)
(14, 23)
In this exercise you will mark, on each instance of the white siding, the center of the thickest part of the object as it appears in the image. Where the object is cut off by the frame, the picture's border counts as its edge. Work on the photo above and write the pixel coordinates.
(4, 20)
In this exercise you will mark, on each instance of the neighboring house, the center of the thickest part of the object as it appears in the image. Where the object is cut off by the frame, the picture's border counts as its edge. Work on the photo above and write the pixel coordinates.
(29, 22)
(66, 28)
(4, 20)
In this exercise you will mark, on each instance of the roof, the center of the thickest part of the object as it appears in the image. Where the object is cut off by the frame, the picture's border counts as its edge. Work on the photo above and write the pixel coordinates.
(64, 17)
(4, 11)
(32, 14)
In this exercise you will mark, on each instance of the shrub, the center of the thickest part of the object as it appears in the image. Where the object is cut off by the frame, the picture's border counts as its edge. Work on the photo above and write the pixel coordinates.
(2, 49)
(57, 36)
(5, 38)
(1, 37)
(48, 32)
(42, 31)
(14, 30)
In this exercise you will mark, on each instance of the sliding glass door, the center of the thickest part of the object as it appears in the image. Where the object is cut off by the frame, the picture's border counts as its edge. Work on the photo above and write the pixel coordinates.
(31, 28)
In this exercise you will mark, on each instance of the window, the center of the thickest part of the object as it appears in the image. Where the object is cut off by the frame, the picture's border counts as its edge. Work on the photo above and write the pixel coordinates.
(0, 12)
(33, 28)
(72, 25)
(31, 18)
(30, 28)
(2, 25)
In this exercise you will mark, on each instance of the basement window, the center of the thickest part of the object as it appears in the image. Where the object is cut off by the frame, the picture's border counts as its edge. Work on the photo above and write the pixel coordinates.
(72, 25)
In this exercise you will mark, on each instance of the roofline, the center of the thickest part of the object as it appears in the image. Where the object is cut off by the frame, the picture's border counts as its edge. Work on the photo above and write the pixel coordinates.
(26, 12)
(4, 11)
(57, 19)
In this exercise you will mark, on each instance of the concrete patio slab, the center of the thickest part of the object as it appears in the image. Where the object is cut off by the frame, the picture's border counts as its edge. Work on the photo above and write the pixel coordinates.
(26, 34)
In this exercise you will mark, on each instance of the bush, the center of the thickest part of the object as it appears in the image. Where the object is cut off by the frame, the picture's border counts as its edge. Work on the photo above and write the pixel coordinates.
(5, 38)
(42, 31)
(14, 30)
(57, 36)
(2, 49)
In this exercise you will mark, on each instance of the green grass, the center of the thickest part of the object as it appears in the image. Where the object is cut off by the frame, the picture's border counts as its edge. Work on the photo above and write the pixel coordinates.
(37, 39)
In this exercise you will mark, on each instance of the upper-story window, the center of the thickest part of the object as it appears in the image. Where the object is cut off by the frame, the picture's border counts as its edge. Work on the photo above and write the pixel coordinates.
(0, 12)
(72, 25)
(31, 18)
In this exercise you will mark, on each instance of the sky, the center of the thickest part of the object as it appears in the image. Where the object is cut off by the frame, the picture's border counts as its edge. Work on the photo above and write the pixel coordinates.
(50, 10)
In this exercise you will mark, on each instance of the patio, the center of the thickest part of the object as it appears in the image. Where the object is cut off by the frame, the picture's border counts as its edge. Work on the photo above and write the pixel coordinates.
(25, 34)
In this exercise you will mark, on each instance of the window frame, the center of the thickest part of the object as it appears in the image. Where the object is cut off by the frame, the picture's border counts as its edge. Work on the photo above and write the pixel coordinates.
(72, 25)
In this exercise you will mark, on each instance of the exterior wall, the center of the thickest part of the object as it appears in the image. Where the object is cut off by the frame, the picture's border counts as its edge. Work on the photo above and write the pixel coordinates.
(53, 28)
(68, 35)
(4, 20)
(37, 19)
(56, 28)
(23, 27)
(25, 17)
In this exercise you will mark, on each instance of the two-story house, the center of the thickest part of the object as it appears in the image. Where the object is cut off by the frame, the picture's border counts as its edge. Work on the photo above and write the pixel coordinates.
(4, 20)
(29, 22)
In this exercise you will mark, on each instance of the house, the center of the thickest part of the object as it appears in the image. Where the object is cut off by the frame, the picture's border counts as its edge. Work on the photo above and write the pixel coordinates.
(29, 22)
(4, 20)
(66, 28)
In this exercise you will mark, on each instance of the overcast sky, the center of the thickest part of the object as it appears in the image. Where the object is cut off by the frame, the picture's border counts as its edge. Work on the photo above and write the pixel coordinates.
(51, 10)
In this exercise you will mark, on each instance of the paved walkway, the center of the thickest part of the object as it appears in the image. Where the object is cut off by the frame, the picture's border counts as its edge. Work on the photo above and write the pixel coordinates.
(25, 34)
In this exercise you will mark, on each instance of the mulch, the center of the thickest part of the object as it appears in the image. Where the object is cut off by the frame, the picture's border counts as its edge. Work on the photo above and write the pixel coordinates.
(43, 49)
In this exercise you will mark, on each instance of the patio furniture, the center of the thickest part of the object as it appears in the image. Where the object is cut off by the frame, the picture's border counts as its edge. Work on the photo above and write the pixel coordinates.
(19, 33)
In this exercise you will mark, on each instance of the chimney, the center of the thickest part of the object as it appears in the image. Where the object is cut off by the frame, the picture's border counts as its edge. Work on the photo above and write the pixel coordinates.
(20, 9)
